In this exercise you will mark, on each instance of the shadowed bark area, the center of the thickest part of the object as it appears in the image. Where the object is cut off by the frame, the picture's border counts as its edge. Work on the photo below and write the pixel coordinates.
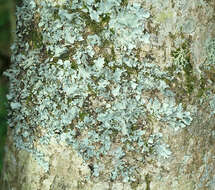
(112, 96)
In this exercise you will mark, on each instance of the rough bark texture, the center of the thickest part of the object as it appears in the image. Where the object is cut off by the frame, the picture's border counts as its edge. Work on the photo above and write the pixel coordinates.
(181, 43)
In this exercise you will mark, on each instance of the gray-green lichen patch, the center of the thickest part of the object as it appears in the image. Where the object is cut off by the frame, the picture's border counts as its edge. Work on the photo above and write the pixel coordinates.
(105, 104)
(209, 64)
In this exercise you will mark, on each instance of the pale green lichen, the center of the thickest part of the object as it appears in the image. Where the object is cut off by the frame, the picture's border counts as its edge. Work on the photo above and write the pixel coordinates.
(97, 101)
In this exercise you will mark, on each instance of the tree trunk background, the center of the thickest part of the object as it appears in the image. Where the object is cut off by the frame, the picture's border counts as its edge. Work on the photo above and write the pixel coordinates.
(181, 43)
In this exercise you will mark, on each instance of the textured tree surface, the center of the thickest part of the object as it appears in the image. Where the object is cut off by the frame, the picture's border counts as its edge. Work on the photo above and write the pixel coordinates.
(112, 95)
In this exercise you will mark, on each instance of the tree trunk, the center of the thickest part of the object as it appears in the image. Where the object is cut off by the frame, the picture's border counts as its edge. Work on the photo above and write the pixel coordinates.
(112, 95)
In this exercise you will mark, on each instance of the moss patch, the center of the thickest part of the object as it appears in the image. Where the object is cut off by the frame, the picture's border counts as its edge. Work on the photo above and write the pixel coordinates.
(36, 39)
(148, 181)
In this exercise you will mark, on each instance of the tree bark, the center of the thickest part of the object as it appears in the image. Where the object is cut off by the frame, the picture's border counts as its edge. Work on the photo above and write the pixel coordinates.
(112, 95)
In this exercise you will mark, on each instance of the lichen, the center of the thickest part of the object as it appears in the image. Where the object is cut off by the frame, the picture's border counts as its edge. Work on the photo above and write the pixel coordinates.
(103, 104)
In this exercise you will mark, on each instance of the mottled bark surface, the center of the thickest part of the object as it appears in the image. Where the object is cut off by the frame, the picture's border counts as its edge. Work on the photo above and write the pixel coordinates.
(191, 164)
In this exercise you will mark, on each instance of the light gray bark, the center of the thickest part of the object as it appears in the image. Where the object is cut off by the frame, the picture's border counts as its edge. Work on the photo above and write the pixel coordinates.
(177, 128)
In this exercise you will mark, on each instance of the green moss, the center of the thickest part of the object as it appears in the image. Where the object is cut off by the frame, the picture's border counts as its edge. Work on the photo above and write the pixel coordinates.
(172, 36)
(105, 19)
(82, 115)
(190, 78)
(91, 90)
(148, 181)
(182, 53)
(56, 15)
(124, 3)
(114, 134)
(29, 99)
(202, 89)
(36, 39)
(134, 185)
(74, 65)
(182, 68)
(95, 27)
(65, 56)
(135, 127)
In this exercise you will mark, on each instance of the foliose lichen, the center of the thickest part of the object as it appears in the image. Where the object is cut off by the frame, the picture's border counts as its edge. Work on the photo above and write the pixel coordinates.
(87, 86)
